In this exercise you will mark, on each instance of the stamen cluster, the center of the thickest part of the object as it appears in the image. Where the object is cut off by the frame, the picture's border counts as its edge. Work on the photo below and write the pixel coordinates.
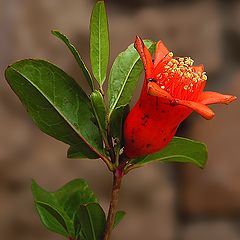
(178, 77)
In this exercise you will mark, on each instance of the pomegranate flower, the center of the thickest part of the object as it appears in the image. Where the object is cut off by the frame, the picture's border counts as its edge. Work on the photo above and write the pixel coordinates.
(172, 90)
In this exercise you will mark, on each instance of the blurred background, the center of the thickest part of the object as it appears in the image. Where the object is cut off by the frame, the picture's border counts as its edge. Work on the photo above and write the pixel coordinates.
(166, 202)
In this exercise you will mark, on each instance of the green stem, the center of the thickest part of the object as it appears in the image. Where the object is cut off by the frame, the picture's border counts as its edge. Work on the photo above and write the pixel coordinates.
(107, 162)
(130, 167)
(110, 145)
(117, 179)
(101, 91)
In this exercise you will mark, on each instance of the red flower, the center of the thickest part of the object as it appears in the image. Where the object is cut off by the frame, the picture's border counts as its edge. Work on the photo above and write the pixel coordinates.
(172, 90)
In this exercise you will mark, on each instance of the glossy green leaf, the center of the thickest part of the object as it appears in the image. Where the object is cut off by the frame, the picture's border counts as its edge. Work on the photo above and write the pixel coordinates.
(99, 42)
(75, 153)
(57, 210)
(77, 57)
(52, 220)
(124, 76)
(92, 221)
(57, 104)
(118, 218)
(100, 112)
(178, 150)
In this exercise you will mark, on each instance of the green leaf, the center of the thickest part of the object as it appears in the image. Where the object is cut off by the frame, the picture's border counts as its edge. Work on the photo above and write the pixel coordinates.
(51, 219)
(75, 153)
(118, 218)
(100, 112)
(99, 42)
(77, 57)
(124, 76)
(57, 210)
(57, 104)
(92, 221)
(178, 150)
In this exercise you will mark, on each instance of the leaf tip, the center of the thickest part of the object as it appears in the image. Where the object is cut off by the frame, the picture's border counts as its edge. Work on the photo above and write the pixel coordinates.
(57, 33)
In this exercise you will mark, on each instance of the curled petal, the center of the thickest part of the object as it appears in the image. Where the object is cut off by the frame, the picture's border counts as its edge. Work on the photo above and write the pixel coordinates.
(145, 56)
(155, 90)
(161, 52)
(214, 97)
(199, 68)
(200, 108)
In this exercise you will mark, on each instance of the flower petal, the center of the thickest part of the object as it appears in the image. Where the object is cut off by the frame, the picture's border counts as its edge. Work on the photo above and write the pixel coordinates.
(200, 108)
(155, 90)
(161, 52)
(145, 56)
(199, 68)
(214, 97)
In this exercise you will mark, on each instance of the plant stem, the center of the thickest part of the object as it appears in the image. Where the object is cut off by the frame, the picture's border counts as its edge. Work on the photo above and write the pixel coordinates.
(110, 145)
(117, 179)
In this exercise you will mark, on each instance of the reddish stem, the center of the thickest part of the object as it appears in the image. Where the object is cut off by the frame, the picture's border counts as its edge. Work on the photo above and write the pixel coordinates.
(117, 179)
